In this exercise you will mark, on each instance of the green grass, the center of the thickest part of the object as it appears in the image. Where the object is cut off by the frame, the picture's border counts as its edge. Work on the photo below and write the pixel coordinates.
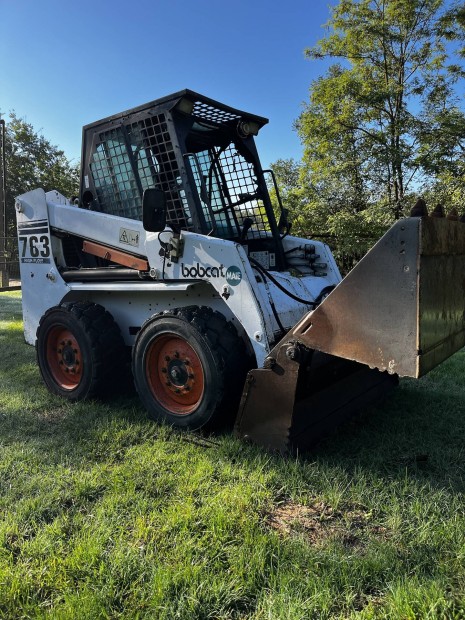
(107, 515)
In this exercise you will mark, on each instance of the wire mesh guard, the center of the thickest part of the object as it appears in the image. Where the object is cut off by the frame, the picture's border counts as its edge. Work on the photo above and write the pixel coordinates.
(135, 157)
(228, 189)
(208, 112)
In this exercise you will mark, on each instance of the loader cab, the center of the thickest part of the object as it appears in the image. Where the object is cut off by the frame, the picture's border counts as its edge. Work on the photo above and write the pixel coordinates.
(201, 154)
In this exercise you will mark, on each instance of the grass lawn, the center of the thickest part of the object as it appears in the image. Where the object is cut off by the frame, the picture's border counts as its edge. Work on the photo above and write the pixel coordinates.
(107, 515)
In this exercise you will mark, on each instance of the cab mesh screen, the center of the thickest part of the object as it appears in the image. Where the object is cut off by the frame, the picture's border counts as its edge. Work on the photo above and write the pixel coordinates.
(134, 157)
(229, 182)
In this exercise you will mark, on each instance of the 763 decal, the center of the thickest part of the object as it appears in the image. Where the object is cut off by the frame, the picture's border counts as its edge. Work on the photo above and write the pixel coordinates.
(34, 243)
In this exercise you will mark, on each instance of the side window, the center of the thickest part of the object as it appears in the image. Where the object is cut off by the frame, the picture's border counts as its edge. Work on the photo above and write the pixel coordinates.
(116, 186)
(133, 157)
(148, 167)
(146, 163)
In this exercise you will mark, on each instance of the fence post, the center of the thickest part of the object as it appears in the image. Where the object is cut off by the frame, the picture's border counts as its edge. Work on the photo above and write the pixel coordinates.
(3, 270)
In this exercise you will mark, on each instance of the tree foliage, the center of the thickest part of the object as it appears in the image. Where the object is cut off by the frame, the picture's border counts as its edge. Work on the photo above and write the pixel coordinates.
(385, 121)
(31, 162)
(287, 175)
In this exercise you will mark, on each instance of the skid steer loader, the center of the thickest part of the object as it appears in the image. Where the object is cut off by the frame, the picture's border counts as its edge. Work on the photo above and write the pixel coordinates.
(173, 251)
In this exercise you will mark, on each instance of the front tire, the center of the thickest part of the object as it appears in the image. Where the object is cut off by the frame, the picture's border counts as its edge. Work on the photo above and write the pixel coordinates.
(189, 366)
(79, 349)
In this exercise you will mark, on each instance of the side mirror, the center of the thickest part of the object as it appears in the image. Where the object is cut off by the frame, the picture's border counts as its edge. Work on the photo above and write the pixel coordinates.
(154, 210)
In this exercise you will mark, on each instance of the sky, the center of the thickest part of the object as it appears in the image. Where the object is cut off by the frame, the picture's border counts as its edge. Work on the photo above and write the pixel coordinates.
(68, 63)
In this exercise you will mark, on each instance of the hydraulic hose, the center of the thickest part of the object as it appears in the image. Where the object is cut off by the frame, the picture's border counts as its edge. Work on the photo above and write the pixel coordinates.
(267, 274)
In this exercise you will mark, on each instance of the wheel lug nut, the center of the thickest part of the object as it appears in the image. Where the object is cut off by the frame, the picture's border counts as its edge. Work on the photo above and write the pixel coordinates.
(164, 370)
(178, 391)
(186, 362)
(62, 343)
(75, 350)
(168, 383)
(61, 362)
(176, 354)
(69, 343)
(167, 358)
(191, 376)
(60, 350)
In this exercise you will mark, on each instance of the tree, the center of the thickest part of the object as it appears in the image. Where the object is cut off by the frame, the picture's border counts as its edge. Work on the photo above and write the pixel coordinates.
(31, 162)
(384, 120)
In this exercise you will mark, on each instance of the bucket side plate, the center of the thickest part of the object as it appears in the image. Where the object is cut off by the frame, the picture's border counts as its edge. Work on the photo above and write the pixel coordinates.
(401, 309)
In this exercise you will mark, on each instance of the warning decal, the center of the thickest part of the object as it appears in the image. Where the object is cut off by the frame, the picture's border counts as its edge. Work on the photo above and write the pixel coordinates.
(129, 237)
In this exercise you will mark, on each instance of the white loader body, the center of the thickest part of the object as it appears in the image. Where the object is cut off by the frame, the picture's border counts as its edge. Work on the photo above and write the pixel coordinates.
(211, 271)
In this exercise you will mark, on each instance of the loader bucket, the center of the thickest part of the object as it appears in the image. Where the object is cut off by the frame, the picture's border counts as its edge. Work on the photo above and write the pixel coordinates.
(400, 311)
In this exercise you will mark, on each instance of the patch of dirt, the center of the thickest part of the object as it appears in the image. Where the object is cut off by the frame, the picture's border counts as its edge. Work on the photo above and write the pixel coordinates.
(370, 598)
(318, 523)
(52, 416)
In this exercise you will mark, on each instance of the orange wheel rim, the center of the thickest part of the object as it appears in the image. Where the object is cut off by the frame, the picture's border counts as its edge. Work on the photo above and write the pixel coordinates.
(64, 358)
(174, 374)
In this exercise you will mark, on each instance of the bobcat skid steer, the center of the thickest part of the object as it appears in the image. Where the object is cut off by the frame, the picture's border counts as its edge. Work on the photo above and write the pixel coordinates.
(173, 251)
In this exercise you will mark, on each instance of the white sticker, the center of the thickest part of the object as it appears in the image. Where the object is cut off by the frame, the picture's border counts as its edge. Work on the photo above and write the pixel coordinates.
(262, 257)
(86, 181)
(129, 237)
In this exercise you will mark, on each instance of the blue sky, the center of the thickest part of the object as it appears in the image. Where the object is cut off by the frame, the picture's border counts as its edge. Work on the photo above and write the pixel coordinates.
(68, 63)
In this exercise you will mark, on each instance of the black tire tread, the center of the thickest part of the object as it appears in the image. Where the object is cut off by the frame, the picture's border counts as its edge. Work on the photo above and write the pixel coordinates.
(228, 350)
(106, 342)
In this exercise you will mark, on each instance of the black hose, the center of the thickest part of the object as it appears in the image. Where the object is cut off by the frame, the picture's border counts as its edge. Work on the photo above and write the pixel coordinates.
(276, 316)
(268, 275)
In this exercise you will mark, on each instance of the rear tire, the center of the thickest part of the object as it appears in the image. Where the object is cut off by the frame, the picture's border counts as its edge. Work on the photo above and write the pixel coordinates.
(189, 366)
(79, 349)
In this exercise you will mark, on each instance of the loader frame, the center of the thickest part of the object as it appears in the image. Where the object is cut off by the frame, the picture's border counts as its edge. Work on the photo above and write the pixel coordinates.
(223, 297)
